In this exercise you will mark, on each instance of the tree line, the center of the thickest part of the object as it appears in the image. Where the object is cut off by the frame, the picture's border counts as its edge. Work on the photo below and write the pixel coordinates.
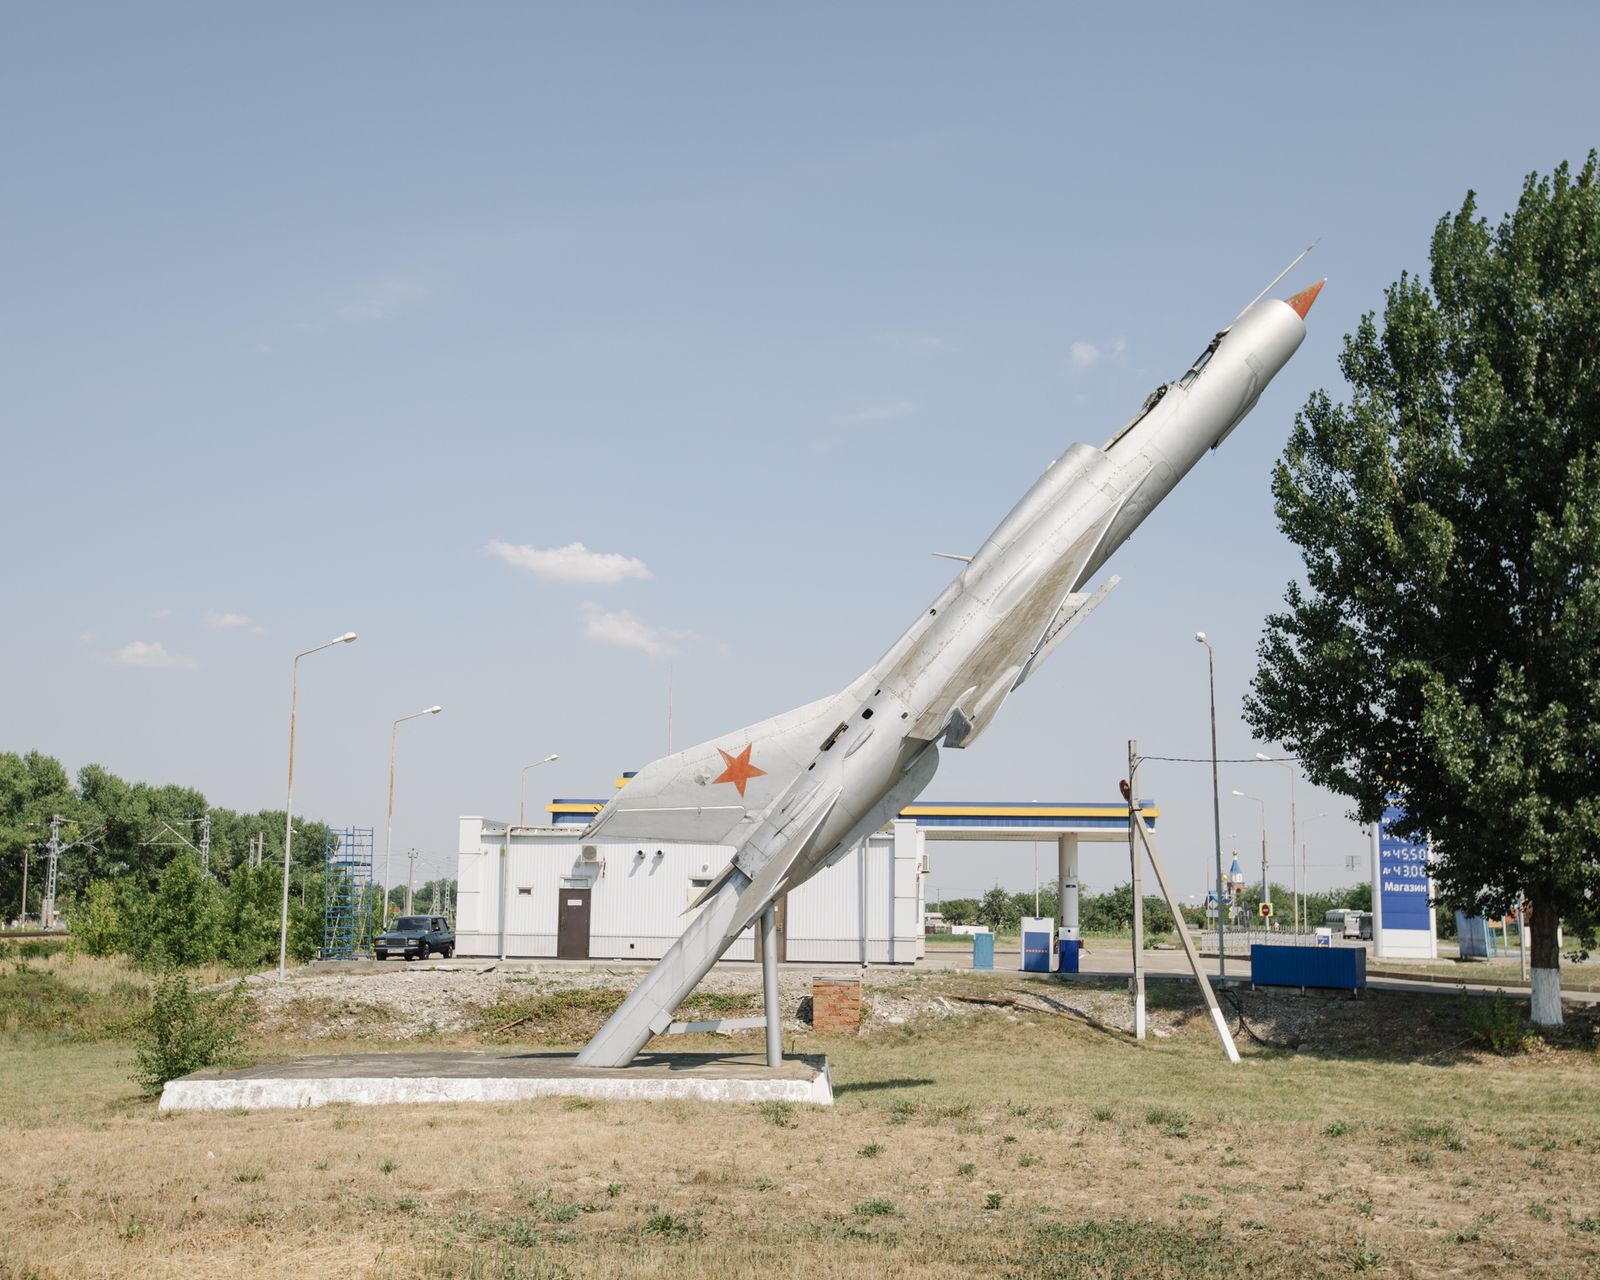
(1112, 911)
(129, 878)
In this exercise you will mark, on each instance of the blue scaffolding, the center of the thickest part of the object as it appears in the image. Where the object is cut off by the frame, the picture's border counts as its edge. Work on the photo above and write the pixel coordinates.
(347, 894)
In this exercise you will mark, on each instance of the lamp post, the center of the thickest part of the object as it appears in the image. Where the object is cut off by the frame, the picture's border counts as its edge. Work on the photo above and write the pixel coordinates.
(388, 837)
(288, 807)
(522, 807)
(1216, 811)
(1294, 832)
(1305, 865)
(1266, 885)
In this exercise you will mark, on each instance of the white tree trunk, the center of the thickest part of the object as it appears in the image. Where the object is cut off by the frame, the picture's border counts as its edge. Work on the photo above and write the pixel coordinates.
(1545, 928)
(1547, 997)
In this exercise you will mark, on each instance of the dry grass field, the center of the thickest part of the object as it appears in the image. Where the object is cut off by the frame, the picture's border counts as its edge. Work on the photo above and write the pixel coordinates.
(995, 1142)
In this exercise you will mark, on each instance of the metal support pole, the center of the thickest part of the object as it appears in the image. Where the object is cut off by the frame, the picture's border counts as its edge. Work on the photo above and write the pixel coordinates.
(1067, 906)
(1135, 862)
(1375, 868)
(1294, 841)
(288, 825)
(411, 872)
(288, 804)
(388, 826)
(1136, 820)
(1266, 885)
(767, 934)
(1216, 815)
(505, 863)
(861, 894)
(23, 919)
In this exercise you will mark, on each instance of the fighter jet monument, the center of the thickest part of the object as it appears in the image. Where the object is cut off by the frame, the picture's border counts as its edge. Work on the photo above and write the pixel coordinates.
(794, 793)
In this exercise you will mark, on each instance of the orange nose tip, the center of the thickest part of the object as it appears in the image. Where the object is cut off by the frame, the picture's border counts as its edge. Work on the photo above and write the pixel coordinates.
(1301, 302)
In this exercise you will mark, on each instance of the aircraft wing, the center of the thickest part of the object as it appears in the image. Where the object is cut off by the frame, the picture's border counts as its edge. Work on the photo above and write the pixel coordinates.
(714, 793)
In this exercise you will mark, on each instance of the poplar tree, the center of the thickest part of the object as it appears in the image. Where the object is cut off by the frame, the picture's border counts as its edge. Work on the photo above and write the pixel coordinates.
(1445, 642)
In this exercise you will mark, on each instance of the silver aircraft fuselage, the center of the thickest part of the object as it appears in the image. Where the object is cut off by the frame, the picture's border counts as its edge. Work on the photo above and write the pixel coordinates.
(814, 781)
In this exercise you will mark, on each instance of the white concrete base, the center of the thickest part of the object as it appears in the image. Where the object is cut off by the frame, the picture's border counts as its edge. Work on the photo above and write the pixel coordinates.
(377, 1079)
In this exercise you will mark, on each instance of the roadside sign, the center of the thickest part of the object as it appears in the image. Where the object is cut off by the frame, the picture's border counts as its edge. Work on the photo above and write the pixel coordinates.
(1266, 910)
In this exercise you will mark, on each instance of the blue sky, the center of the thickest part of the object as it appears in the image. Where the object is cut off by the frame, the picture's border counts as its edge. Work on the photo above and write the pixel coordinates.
(308, 309)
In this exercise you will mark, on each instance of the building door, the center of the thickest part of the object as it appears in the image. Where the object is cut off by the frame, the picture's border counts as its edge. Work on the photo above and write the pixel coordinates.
(572, 925)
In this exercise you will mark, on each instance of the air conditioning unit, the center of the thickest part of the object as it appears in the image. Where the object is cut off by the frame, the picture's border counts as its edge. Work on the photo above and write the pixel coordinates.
(591, 856)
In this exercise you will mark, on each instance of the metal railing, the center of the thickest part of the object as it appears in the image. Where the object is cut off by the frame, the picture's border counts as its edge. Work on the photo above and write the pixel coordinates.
(1241, 940)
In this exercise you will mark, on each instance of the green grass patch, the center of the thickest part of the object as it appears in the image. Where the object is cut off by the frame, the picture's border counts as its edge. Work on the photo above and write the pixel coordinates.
(559, 1017)
(33, 948)
(40, 1001)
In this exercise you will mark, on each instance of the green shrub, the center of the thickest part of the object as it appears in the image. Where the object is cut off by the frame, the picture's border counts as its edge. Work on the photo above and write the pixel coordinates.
(186, 1029)
(1494, 1022)
(97, 921)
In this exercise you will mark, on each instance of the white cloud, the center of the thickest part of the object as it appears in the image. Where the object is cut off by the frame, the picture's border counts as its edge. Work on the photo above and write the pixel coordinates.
(380, 300)
(876, 413)
(571, 563)
(918, 344)
(1085, 355)
(621, 628)
(152, 653)
(226, 620)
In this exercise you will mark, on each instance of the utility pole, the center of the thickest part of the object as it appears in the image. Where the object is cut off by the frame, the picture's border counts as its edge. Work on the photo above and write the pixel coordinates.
(434, 909)
(411, 872)
(1266, 885)
(23, 919)
(1294, 833)
(205, 846)
(1216, 813)
(47, 908)
(1136, 867)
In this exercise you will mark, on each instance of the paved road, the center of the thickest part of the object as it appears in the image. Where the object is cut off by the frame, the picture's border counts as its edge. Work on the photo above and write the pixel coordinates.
(1113, 961)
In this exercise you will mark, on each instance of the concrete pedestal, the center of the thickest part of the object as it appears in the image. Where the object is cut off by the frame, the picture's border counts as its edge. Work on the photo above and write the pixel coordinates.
(464, 1076)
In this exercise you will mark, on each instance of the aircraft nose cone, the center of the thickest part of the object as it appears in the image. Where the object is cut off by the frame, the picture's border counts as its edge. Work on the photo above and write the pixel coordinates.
(1301, 302)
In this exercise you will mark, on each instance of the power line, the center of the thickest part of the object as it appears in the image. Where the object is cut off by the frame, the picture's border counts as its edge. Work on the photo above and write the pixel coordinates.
(1220, 760)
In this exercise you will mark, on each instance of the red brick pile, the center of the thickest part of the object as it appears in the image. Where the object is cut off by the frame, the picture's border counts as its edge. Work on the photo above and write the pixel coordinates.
(836, 1006)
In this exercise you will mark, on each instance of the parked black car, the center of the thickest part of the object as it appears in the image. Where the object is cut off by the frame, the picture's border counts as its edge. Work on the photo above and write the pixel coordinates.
(416, 937)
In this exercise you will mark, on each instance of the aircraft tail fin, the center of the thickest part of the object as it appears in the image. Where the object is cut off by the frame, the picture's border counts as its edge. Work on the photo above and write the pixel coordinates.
(715, 792)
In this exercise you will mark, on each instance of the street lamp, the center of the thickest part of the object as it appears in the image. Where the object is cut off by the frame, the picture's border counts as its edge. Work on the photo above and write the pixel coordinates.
(1305, 865)
(522, 807)
(388, 838)
(1294, 831)
(1266, 885)
(1216, 809)
(288, 807)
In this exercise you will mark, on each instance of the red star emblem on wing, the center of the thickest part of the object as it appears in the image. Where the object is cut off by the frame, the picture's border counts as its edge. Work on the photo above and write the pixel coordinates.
(739, 770)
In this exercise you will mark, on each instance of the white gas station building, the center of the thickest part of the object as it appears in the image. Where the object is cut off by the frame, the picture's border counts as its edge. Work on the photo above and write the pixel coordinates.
(542, 891)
